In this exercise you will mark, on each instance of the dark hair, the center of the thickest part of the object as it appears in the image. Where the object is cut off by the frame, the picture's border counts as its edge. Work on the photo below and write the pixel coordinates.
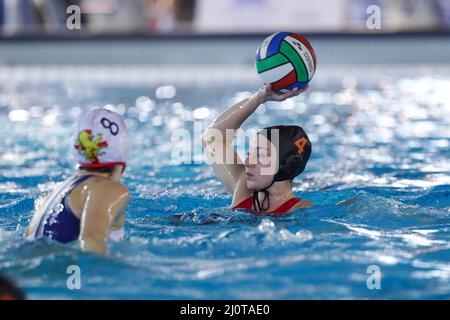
(9, 288)
(106, 169)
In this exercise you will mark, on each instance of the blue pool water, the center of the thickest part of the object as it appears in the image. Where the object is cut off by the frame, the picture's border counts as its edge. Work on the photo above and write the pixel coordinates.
(379, 177)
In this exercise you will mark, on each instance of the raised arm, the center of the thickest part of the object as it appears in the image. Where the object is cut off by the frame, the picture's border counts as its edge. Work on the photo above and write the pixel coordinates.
(217, 138)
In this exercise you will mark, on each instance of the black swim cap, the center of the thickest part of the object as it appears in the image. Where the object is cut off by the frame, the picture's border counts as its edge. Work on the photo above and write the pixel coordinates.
(294, 150)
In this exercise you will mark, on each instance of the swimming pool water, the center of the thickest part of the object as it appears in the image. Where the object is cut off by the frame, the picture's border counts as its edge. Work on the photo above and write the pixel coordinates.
(379, 177)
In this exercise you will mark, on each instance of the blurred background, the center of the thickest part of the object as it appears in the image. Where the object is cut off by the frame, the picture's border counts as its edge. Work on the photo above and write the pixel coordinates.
(221, 16)
(218, 33)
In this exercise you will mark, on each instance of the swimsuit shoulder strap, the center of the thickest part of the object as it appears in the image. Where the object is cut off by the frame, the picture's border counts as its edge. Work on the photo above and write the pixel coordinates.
(59, 197)
(73, 184)
(285, 207)
(60, 193)
(245, 204)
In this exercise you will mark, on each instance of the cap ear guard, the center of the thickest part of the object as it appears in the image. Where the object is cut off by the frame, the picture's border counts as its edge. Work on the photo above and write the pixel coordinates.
(294, 149)
(295, 162)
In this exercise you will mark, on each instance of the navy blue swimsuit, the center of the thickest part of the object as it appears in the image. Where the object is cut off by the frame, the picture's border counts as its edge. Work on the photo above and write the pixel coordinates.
(58, 222)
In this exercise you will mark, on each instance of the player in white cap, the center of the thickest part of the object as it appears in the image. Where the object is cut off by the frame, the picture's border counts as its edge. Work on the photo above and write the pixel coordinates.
(89, 206)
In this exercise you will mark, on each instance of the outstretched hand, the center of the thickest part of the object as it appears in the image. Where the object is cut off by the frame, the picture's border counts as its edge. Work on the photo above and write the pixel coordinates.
(267, 94)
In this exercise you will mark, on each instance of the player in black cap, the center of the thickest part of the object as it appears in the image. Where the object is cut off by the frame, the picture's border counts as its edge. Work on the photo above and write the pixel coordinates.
(263, 183)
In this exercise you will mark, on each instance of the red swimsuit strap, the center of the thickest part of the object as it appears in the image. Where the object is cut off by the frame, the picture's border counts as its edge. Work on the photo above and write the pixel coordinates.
(285, 207)
(246, 204)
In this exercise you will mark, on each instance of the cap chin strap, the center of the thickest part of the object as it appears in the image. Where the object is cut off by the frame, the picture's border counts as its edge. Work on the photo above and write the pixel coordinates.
(265, 203)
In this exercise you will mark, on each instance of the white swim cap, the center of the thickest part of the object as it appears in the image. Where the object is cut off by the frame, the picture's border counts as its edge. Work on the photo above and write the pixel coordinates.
(100, 139)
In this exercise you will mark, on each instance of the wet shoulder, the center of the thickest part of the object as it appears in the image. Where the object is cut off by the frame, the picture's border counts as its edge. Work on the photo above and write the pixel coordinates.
(302, 204)
(106, 186)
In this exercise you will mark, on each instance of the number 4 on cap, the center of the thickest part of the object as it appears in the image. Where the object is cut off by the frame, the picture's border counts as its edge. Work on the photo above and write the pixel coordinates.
(300, 144)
